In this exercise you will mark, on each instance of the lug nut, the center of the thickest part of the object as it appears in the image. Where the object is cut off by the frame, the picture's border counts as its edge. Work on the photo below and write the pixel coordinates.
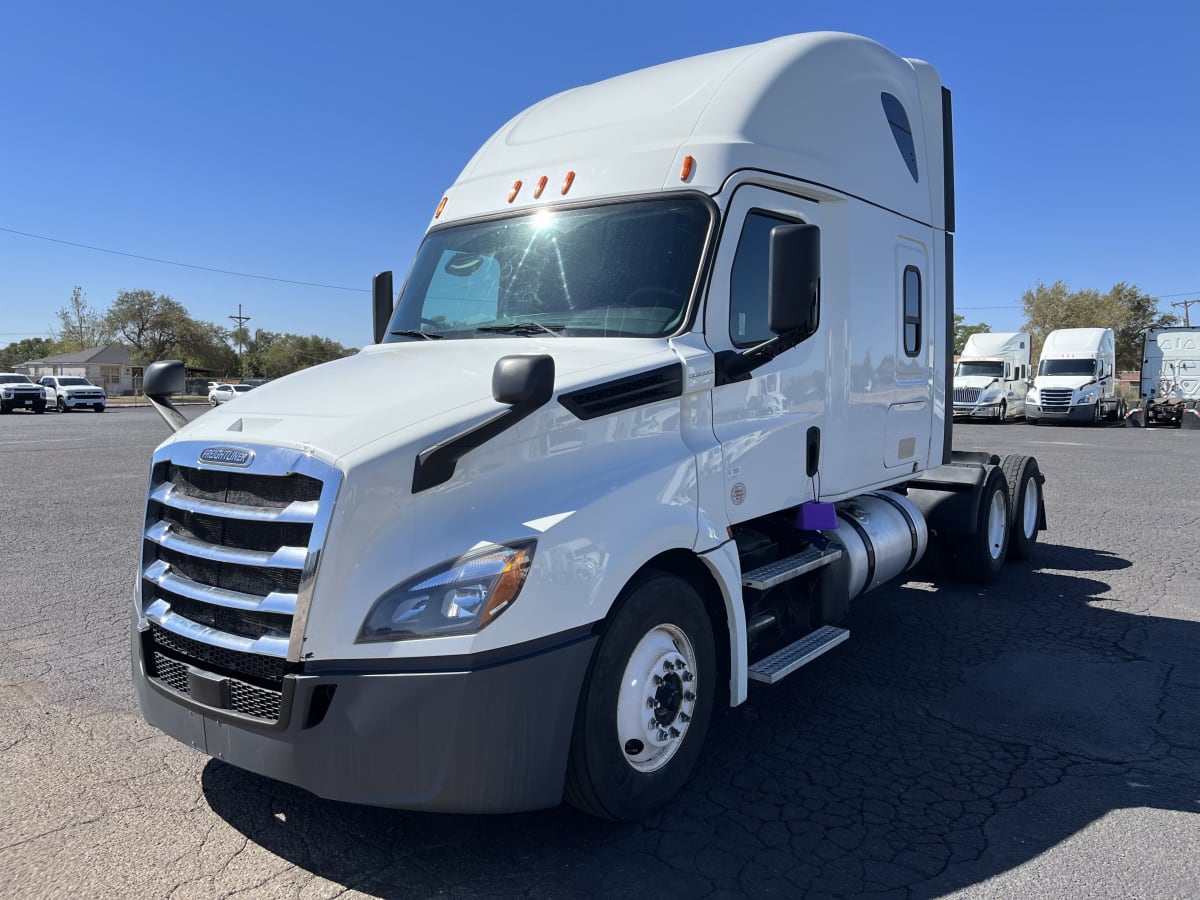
(689, 696)
(651, 703)
(684, 717)
(669, 666)
(687, 676)
(674, 732)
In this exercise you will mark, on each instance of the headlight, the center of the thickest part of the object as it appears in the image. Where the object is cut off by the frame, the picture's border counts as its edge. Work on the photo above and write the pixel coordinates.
(460, 596)
(1088, 396)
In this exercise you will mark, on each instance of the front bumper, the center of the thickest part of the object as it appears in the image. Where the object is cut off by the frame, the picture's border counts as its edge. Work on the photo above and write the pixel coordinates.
(1083, 413)
(977, 411)
(85, 402)
(466, 736)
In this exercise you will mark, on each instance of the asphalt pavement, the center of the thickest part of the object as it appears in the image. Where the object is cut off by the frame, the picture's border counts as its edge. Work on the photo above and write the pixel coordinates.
(1035, 738)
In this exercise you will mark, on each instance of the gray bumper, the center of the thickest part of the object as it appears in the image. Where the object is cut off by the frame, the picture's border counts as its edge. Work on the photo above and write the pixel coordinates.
(490, 735)
(982, 411)
(1083, 413)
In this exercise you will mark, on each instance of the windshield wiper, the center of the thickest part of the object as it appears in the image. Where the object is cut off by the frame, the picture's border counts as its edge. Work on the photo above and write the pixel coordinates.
(524, 328)
(413, 332)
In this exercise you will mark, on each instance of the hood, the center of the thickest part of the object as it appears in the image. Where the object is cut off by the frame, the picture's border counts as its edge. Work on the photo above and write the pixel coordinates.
(407, 391)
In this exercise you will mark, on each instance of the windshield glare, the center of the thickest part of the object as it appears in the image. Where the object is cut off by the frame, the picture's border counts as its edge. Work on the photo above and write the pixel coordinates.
(1067, 367)
(624, 269)
(980, 367)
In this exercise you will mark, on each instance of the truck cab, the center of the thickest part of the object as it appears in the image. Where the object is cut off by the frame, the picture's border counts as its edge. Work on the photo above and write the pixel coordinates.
(1169, 392)
(1076, 379)
(992, 377)
(669, 389)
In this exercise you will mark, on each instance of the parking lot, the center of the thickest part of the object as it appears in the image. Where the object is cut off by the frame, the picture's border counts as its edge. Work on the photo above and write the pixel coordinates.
(1039, 737)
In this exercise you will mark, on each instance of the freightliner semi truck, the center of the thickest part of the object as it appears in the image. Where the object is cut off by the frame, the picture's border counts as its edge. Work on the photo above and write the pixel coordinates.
(1169, 393)
(667, 386)
(992, 376)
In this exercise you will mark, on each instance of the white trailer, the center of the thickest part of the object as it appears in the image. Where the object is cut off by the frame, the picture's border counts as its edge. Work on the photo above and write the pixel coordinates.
(992, 376)
(669, 386)
(1169, 393)
(1076, 379)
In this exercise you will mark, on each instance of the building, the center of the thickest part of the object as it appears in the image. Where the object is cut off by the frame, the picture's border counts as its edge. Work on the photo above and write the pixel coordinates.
(109, 367)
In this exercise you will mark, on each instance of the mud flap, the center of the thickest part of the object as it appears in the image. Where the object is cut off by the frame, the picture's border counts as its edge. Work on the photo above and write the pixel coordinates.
(1190, 420)
(1135, 418)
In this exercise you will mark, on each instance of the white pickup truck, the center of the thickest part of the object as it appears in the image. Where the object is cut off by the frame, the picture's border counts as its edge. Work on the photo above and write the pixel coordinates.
(18, 392)
(68, 392)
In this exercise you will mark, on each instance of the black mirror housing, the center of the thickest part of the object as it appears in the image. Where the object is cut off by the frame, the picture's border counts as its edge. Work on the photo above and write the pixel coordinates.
(382, 302)
(164, 378)
(794, 282)
(518, 380)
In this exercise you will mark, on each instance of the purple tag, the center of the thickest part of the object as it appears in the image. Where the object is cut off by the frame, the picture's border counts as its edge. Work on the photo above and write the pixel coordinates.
(816, 516)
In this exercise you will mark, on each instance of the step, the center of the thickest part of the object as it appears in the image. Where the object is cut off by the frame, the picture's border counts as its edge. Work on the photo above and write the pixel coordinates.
(790, 567)
(783, 663)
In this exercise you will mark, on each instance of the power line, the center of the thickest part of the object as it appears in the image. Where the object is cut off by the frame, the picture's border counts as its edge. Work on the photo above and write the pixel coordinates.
(169, 262)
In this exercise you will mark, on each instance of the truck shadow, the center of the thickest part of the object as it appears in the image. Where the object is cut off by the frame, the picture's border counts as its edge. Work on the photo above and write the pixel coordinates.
(961, 732)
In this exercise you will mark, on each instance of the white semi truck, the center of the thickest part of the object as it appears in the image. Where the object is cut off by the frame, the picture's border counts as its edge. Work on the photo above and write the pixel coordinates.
(992, 377)
(1170, 379)
(1076, 379)
(669, 386)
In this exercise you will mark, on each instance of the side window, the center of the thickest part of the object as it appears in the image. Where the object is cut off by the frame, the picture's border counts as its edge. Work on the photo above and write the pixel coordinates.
(748, 281)
(912, 311)
(1008, 371)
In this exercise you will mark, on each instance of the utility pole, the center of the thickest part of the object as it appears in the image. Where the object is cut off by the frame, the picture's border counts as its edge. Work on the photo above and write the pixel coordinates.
(241, 320)
(1186, 304)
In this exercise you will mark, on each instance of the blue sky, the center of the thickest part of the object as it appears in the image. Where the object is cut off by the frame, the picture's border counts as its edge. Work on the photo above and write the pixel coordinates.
(310, 142)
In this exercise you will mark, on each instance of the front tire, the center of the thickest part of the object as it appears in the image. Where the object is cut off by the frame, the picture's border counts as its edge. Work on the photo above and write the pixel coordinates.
(62, 405)
(979, 557)
(1003, 412)
(646, 703)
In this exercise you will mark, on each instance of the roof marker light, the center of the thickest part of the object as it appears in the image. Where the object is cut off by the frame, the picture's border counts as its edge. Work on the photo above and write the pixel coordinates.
(512, 195)
(689, 164)
(541, 186)
(441, 206)
(567, 182)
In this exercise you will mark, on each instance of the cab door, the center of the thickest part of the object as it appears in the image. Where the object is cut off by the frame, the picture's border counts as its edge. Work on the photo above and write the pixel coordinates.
(762, 422)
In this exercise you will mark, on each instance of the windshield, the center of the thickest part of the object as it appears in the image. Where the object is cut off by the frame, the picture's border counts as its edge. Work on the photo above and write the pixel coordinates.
(72, 382)
(980, 367)
(14, 379)
(623, 269)
(1067, 367)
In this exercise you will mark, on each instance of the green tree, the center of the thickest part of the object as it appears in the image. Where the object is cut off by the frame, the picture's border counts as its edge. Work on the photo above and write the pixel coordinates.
(1124, 308)
(81, 327)
(292, 352)
(151, 325)
(963, 332)
(1140, 312)
(22, 351)
(206, 346)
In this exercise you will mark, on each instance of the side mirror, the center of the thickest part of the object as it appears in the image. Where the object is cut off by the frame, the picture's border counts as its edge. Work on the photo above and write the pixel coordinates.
(160, 380)
(382, 301)
(519, 380)
(794, 280)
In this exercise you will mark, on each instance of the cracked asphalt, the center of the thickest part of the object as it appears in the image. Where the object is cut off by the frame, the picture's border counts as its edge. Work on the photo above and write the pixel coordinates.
(1039, 737)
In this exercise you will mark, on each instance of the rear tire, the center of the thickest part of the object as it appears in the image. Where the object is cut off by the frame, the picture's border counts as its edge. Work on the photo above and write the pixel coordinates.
(979, 557)
(646, 702)
(1025, 495)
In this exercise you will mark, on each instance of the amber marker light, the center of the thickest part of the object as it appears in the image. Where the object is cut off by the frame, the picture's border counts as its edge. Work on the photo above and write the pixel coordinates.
(689, 165)
(567, 182)
(541, 186)
(441, 206)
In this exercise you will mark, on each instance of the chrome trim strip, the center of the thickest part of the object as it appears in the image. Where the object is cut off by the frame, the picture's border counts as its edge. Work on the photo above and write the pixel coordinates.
(283, 558)
(160, 573)
(159, 612)
(299, 511)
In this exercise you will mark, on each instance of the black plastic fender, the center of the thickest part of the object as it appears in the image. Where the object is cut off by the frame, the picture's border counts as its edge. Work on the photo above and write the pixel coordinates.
(948, 496)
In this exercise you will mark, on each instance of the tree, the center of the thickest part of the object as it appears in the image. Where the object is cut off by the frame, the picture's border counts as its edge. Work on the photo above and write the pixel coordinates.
(204, 345)
(1124, 309)
(292, 352)
(1140, 315)
(20, 352)
(963, 332)
(82, 327)
(153, 326)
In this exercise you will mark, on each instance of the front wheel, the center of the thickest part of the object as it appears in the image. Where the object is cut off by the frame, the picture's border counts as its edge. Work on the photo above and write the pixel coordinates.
(646, 703)
(1002, 413)
(99, 407)
(62, 405)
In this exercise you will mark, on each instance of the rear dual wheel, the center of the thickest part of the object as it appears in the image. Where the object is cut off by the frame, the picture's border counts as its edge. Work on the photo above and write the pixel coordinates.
(1025, 492)
(646, 703)
(979, 556)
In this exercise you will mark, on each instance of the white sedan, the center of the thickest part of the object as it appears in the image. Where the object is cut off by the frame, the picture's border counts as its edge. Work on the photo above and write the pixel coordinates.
(223, 393)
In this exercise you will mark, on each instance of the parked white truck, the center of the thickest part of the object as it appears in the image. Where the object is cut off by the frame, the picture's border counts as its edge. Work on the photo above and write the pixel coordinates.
(669, 387)
(1170, 379)
(1076, 378)
(992, 376)
(70, 392)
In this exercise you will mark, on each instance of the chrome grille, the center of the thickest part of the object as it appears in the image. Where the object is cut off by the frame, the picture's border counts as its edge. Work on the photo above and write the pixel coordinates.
(1056, 399)
(228, 560)
(966, 395)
